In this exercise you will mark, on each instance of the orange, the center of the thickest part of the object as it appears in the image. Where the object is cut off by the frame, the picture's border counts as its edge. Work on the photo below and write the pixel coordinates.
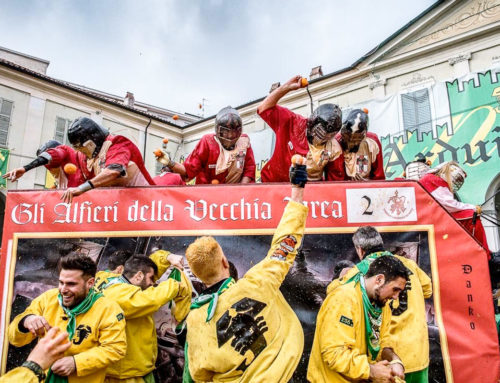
(70, 168)
(304, 82)
(365, 110)
(297, 159)
(175, 117)
(215, 182)
(158, 153)
(165, 140)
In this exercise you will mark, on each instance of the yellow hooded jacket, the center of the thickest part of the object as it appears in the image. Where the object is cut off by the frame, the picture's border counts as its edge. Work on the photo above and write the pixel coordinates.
(254, 335)
(18, 375)
(99, 338)
(339, 353)
(407, 335)
(139, 306)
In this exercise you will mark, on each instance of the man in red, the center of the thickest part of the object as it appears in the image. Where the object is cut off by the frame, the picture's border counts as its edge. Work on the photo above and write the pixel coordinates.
(442, 182)
(55, 156)
(362, 149)
(115, 160)
(311, 137)
(223, 157)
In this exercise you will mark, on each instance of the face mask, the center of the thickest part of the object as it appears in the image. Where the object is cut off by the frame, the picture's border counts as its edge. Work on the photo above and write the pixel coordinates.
(457, 178)
(87, 148)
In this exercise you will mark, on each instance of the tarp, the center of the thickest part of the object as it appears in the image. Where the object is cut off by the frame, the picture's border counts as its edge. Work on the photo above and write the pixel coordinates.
(243, 218)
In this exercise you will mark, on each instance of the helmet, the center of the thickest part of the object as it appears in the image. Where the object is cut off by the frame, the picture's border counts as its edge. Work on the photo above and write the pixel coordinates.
(452, 173)
(46, 146)
(228, 127)
(87, 136)
(354, 129)
(416, 169)
(323, 124)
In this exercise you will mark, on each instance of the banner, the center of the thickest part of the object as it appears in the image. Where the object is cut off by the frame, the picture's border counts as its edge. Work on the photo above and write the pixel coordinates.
(39, 227)
(4, 163)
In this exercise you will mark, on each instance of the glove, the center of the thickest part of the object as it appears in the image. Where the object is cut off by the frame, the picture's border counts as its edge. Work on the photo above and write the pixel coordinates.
(298, 175)
(164, 158)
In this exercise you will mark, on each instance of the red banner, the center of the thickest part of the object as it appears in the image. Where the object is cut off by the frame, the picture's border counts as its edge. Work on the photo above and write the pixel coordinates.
(462, 306)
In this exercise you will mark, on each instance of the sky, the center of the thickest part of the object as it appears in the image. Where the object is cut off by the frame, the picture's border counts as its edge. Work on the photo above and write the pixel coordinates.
(175, 53)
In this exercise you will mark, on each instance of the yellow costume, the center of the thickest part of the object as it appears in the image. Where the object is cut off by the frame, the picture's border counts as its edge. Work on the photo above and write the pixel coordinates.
(408, 329)
(99, 338)
(254, 335)
(139, 306)
(19, 374)
(339, 353)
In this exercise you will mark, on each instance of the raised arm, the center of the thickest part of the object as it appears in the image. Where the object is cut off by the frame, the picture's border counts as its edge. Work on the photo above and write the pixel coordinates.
(272, 99)
(287, 237)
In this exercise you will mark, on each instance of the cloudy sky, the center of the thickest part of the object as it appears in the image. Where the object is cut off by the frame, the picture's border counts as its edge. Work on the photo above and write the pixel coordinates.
(174, 53)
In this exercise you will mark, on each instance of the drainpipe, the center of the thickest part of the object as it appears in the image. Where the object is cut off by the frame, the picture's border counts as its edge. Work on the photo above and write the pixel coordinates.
(146, 139)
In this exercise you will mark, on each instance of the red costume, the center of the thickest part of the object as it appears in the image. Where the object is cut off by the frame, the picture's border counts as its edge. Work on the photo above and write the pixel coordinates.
(121, 154)
(462, 212)
(63, 155)
(210, 161)
(290, 129)
(368, 161)
(168, 179)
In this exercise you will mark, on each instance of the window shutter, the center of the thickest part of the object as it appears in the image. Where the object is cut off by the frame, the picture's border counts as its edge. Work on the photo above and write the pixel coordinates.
(417, 111)
(60, 129)
(5, 114)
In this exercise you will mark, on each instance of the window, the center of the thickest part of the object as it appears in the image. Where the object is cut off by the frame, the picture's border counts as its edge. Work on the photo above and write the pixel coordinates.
(5, 113)
(417, 113)
(62, 126)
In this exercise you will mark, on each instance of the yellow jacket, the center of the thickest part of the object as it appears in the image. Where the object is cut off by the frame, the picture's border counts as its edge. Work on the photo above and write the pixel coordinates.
(407, 335)
(19, 375)
(408, 329)
(254, 335)
(139, 306)
(99, 337)
(339, 352)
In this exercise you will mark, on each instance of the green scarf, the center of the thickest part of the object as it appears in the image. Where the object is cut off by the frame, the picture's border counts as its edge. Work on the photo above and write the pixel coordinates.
(373, 314)
(211, 299)
(198, 302)
(373, 321)
(82, 308)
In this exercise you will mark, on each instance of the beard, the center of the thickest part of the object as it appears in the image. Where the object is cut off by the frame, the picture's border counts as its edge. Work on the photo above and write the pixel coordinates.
(377, 300)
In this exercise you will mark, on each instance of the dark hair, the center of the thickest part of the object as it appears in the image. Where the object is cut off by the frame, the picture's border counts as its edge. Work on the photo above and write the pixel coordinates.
(118, 258)
(78, 261)
(389, 266)
(139, 263)
(341, 265)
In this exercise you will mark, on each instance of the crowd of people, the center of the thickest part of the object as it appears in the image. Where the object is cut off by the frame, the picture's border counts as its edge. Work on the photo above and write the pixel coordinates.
(99, 326)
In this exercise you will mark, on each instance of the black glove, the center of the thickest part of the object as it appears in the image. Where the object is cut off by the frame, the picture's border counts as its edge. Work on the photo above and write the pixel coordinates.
(298, 175)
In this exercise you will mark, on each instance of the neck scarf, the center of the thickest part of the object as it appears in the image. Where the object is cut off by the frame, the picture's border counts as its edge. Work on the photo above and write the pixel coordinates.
(373, 314)
(211, 299)
(373, 321)
(82, 308)
(198, 302)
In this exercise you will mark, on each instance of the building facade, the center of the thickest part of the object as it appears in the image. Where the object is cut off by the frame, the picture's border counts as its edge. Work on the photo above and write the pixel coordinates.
(431, 88)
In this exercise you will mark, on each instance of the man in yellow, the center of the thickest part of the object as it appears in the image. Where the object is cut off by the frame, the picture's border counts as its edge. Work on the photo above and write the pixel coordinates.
(408, 327)
(352, 326)
(95, 324)
(139, 299)
(245, 331)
